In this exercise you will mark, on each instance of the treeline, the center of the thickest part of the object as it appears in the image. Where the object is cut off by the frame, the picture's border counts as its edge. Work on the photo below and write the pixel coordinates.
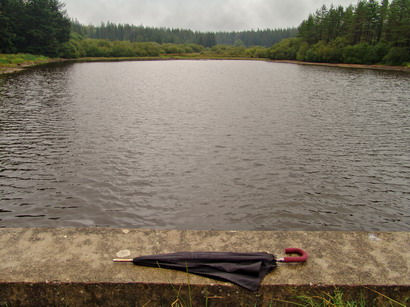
(33, 26)
(266, 38)
(126, 32)
(368, 33)
(132, 33)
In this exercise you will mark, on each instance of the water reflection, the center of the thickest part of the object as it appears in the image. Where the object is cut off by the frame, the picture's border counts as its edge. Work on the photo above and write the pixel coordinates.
(205, 145)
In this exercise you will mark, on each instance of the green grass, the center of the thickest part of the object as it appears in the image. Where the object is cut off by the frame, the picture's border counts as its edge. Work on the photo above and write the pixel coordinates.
(335, 298)
(21, 58)
(324, 301)
(10, 63)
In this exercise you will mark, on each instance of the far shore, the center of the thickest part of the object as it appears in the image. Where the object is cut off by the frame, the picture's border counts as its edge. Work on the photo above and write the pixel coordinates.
(9, 69)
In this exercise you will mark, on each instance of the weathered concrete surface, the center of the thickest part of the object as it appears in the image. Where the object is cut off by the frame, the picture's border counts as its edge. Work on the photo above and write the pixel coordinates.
(72, 267)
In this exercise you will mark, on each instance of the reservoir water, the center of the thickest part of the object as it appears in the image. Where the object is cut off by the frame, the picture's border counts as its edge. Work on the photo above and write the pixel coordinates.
(229, 145)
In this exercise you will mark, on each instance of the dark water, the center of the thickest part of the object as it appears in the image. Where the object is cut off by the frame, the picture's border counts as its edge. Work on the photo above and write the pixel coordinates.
(205, 145)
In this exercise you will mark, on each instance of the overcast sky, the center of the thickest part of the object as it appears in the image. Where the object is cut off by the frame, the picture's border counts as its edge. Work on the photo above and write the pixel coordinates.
(202, 15)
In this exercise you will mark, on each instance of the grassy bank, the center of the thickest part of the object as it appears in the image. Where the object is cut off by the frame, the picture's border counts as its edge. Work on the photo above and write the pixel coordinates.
(10, 63)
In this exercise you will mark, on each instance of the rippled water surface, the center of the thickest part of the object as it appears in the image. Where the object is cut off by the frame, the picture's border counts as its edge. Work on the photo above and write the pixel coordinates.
(205, 145)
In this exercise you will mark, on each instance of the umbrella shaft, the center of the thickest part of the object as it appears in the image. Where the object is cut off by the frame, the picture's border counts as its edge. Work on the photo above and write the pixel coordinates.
(122, 260)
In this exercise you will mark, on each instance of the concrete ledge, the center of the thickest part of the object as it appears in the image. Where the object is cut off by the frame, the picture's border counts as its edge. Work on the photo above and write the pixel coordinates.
(73, 267)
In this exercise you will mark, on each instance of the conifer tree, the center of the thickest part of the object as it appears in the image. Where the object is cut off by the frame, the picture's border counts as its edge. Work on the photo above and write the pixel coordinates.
(33, 26)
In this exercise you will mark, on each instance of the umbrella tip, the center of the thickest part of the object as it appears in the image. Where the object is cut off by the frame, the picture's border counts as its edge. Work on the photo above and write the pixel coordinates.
(122, 260)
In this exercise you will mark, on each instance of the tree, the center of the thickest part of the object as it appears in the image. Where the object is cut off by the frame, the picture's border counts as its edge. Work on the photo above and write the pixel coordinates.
(10, 24)
(372, 21)
(370, 32)
(132, 33)
(33, 26)
(6, 33)
(398, 24)
(359, 21)
(307, 30)
(383, 10)
(347, 27)
(207, 39)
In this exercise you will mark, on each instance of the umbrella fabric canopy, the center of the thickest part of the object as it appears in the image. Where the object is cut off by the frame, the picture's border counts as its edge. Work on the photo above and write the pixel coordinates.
(244, 269)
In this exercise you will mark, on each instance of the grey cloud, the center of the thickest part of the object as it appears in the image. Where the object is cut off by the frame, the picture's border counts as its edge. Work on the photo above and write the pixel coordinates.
(209, 15)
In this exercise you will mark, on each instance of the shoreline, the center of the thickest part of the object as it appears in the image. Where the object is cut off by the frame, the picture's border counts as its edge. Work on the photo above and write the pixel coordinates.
(344, 65)
(10, 69)
(6, 69)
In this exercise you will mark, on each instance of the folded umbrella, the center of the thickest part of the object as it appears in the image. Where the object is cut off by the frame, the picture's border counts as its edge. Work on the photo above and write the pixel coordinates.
(244, 269)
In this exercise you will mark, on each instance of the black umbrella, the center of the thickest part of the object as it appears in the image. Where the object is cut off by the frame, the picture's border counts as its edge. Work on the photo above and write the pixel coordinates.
(244, 269)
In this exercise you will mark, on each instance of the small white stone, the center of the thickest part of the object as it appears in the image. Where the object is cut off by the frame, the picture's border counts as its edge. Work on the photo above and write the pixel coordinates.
(123, 253)
(125, 231)
(373, 237)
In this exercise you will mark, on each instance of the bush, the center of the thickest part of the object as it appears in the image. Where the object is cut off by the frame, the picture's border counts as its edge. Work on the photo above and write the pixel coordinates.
(172, 48)
(356, 54)
(122, 49)
(397, 56)
(338, 51)
(196, 47)
(71, 49)
(220, 49)
(323, 52)
(286, 49)
(227, 51)
(257, 52)
(381, 50)
(150, 49)
(301, 54)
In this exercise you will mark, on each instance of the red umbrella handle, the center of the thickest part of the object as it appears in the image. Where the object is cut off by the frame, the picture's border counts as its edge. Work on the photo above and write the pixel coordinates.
(302, 258)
